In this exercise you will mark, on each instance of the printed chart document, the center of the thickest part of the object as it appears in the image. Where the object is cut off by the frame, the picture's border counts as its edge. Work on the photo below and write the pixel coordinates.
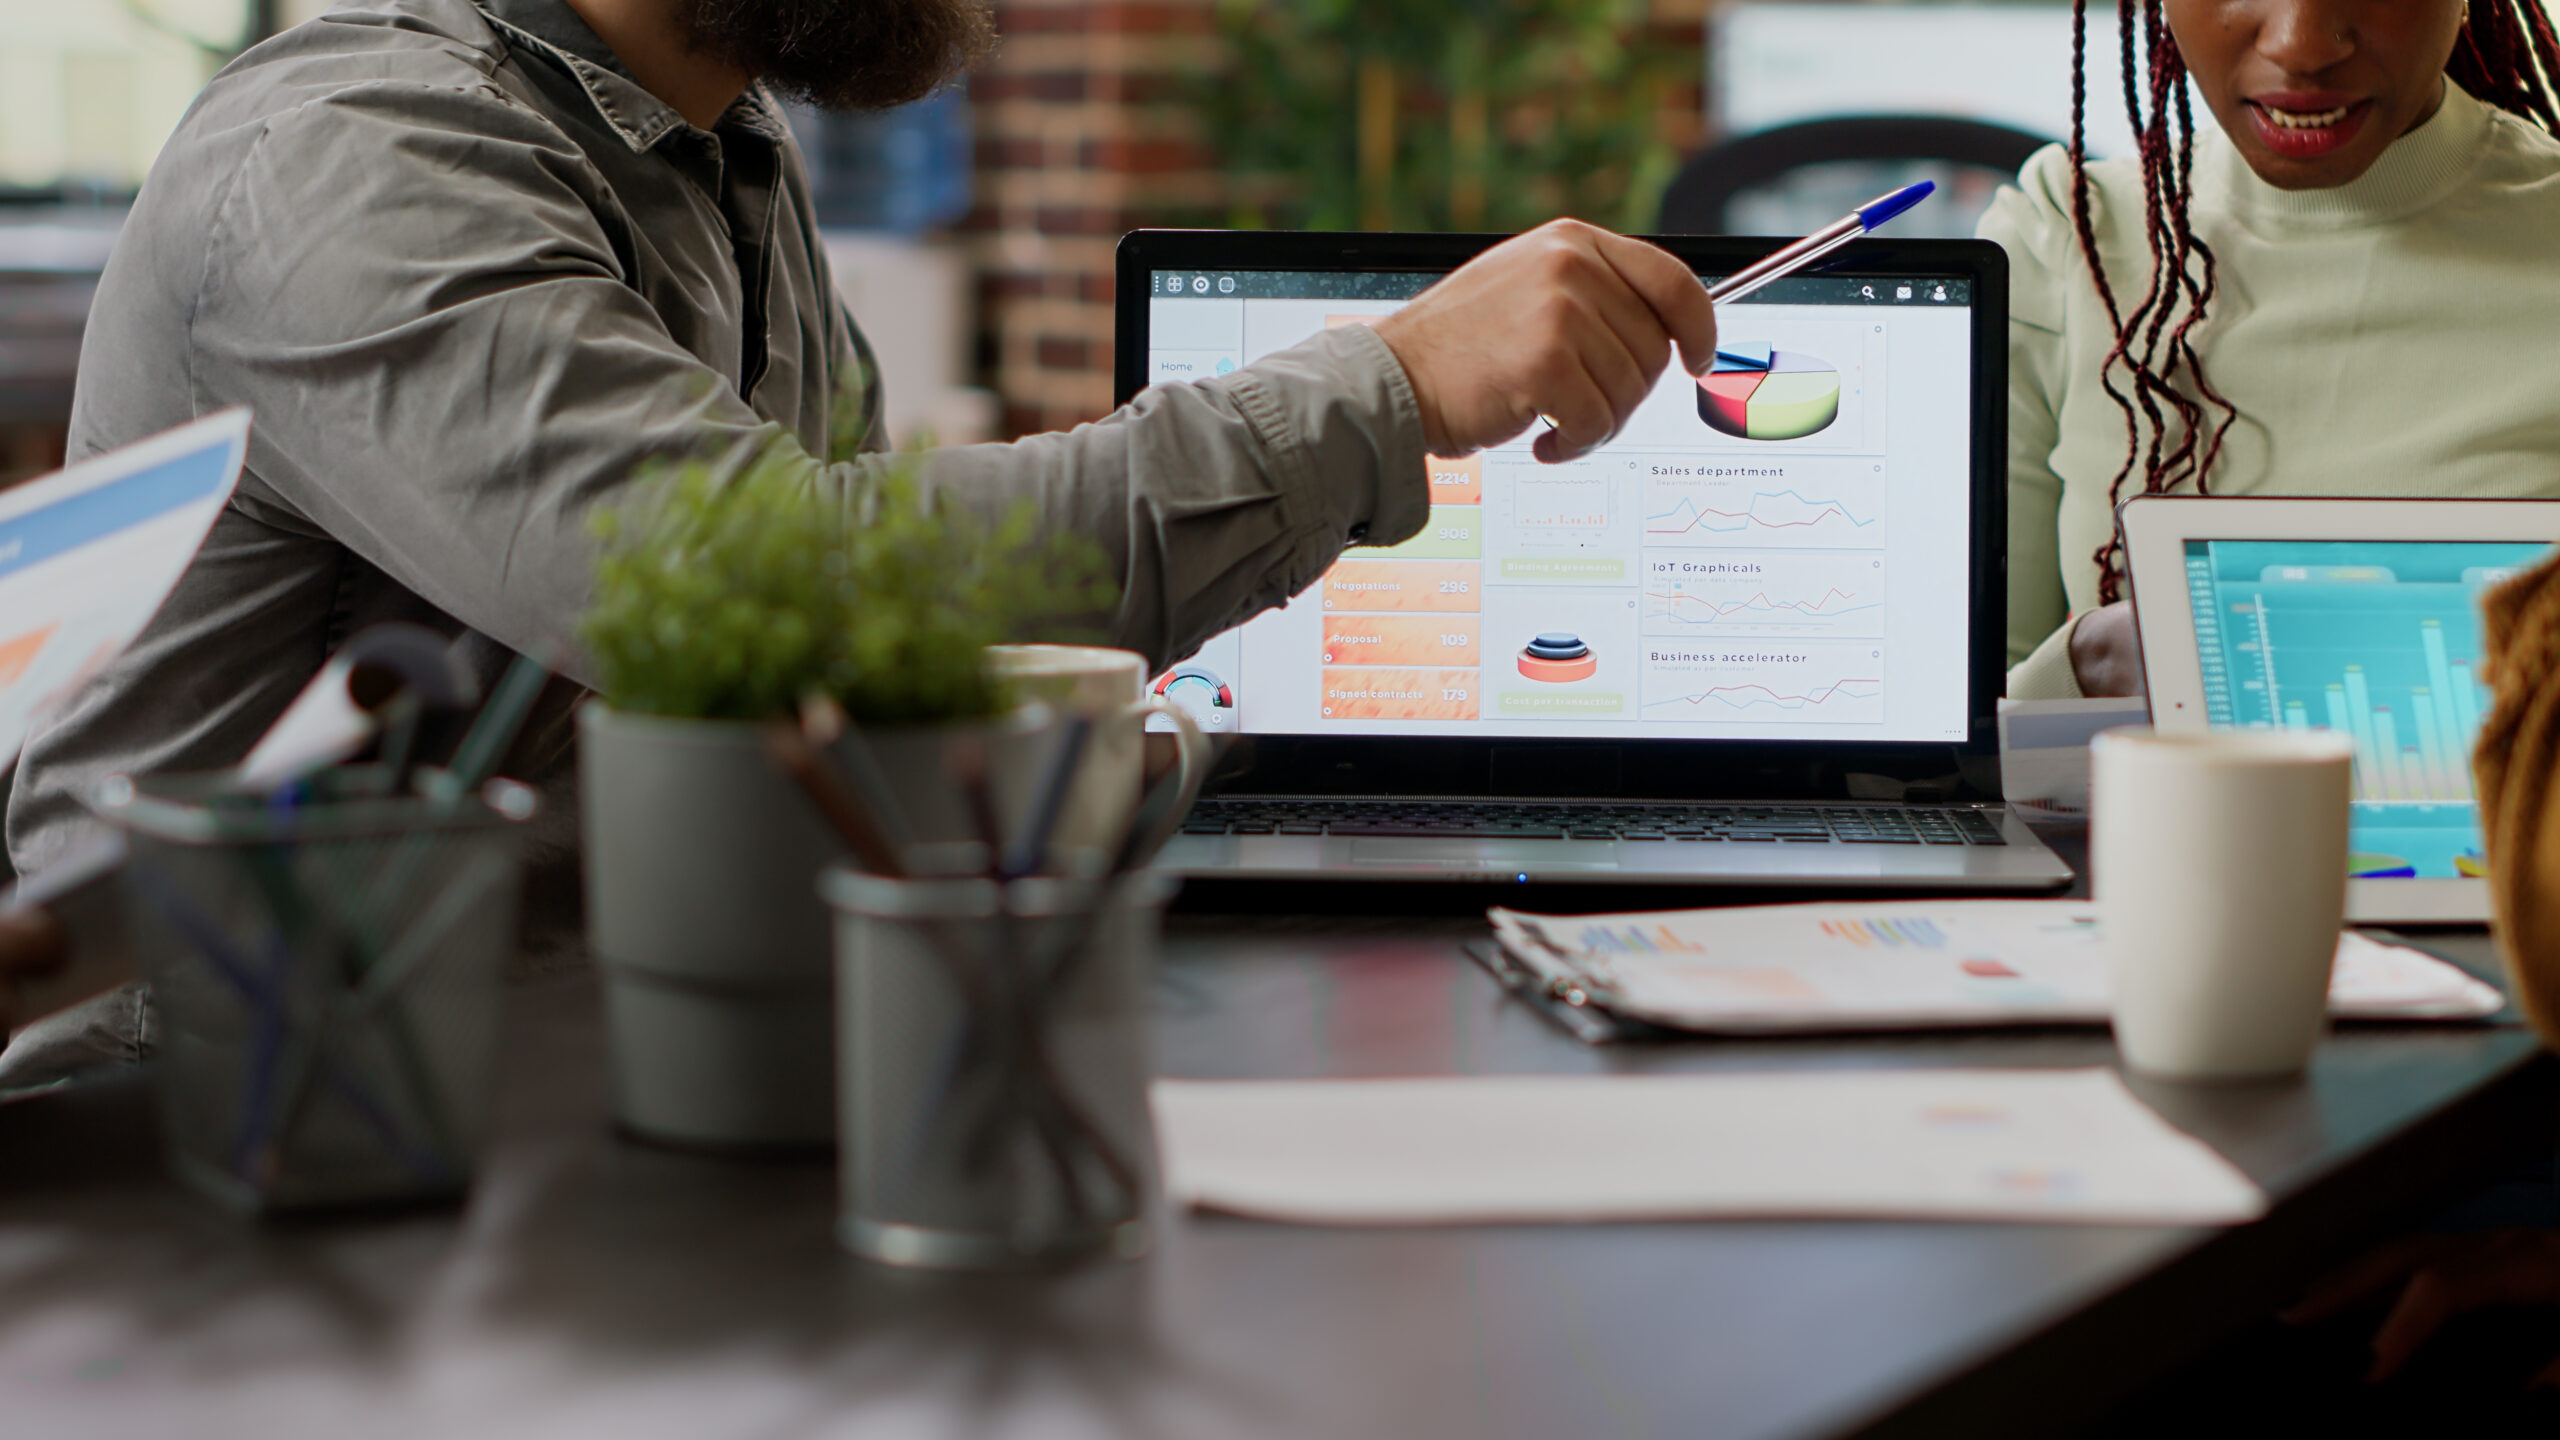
(2044, 752)
(1760, 969)
(88, 553)
(86, 556)
(2033, 1145)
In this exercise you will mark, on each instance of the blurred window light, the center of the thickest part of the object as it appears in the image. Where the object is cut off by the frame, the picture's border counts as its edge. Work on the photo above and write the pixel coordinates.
(1783, 62)
(1775, 62)
(90, 89)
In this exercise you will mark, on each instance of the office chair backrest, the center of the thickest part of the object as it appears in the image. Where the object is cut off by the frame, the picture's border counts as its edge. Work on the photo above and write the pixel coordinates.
(1699, 197)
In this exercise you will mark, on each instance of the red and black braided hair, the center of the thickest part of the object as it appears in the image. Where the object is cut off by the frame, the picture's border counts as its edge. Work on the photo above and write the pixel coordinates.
(2506, 54)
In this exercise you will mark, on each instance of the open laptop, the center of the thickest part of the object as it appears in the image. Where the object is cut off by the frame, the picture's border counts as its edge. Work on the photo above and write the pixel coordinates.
(2353, 615)
(1755, 639)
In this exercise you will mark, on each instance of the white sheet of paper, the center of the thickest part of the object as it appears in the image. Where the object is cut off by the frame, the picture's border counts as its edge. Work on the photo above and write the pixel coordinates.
(1881, 965)
(88, 553)
(2044, 751)
(2034, 1145)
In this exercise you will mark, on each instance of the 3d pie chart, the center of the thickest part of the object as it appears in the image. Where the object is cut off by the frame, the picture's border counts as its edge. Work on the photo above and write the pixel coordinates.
(1558, 657)
(1758, 392)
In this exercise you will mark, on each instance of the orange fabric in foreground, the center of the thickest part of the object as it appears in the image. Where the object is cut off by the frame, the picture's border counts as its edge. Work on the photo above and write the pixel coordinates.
(2518, 754)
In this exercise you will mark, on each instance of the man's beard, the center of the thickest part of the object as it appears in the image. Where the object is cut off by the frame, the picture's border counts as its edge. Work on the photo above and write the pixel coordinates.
(845, 54)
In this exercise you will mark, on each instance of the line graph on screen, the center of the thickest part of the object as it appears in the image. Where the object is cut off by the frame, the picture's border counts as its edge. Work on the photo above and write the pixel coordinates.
(1764, 680)
(1766, 592)
(1715, 512)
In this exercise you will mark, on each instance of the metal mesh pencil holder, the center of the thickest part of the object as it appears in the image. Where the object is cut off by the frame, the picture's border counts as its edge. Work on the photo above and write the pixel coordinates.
(993, 1055)
(328, 977)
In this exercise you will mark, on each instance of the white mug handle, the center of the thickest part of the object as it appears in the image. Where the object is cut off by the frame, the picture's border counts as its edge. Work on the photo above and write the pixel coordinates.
(1191, 769)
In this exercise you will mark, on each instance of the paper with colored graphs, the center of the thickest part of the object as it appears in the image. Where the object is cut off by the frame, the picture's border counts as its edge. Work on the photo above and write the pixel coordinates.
(2008, 1145)
(1871, 966)
(88, 553)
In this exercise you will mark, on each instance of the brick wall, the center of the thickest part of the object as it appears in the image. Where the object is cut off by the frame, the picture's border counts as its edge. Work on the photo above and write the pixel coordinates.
(1084, 131)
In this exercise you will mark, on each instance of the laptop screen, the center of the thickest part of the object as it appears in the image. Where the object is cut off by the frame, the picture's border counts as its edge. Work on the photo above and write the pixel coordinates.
(2380, 639)
(1778, 550)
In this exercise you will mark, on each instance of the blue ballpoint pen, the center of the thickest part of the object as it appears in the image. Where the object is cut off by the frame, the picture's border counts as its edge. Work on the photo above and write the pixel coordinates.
(1820, 243)
(1787, 261)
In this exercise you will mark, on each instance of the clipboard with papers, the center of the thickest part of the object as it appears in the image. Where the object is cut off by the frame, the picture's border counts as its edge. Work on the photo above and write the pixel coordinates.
(88, 555)
(1878, 966)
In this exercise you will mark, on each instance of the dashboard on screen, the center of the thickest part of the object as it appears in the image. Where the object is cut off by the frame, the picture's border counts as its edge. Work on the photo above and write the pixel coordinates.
(1778, 549)
(2378, 640)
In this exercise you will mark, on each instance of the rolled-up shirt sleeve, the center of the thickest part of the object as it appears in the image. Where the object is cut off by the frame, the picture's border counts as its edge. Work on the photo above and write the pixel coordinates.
(451, 388)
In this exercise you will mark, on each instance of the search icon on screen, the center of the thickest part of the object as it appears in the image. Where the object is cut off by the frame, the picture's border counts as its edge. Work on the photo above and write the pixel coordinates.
(1867, 290)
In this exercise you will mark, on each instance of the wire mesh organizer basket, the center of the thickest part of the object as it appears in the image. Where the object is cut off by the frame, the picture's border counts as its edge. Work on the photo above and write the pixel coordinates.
(328, 977)
(993, 1053)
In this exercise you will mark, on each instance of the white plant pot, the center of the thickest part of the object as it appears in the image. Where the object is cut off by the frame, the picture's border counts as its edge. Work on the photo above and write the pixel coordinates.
(702, 863)
(701, 866)
(931, 809)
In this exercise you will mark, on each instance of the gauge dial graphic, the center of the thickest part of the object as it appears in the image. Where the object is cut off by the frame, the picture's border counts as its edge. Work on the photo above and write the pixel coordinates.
(1202, 693)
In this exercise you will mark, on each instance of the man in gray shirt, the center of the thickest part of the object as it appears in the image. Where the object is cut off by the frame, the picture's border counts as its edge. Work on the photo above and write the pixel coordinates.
(470, 263)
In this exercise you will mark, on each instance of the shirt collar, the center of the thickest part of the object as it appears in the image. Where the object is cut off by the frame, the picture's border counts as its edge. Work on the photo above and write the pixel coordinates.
(2419, 169)
(640, 118)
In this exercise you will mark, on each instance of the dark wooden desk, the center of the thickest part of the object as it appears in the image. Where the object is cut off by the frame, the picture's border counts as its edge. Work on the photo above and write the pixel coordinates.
(593, 1286)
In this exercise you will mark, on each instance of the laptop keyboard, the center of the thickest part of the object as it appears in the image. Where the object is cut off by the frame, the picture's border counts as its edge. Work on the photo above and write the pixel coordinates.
(1502, 820)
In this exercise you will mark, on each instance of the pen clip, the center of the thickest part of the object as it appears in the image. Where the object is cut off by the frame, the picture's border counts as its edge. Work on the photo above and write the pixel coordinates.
(1564, 976)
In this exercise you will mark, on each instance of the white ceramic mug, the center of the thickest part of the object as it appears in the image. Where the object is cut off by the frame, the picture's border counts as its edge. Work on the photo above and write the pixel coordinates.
(2220, 864)
(1109, 688)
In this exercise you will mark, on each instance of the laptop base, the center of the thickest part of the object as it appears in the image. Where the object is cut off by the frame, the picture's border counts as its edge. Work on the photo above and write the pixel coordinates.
(1969, 848)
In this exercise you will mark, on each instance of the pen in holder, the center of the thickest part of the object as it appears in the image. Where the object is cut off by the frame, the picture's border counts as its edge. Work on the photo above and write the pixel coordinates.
(993, 1057)
(328, 975)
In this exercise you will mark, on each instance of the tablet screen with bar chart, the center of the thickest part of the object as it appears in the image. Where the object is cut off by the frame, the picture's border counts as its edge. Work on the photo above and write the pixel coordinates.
(2356, 616)
(2379, 639)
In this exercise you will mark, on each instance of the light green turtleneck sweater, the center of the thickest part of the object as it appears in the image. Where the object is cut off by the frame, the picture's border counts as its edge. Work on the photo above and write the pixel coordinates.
(2399, 335)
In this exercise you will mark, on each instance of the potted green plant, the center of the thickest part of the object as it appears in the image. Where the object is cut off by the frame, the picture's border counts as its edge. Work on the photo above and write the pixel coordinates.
(723, 600)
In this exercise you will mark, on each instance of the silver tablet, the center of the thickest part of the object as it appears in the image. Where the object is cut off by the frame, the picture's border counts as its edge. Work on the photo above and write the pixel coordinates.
(2353, 615)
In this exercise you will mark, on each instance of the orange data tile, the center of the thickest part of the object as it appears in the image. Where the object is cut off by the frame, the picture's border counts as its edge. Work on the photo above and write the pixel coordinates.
(1441, 585)
(1400, 639)
(1397, 694)
(1455, 482)
(18, 653)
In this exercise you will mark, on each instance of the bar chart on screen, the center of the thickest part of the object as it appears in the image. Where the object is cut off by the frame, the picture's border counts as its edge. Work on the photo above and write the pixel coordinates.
(2379, 641)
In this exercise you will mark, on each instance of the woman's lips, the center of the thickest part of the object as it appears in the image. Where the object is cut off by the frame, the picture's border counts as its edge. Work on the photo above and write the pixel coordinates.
(2300, 131)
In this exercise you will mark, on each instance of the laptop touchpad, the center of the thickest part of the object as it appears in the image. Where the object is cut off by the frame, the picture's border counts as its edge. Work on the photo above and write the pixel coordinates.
(1454, 854)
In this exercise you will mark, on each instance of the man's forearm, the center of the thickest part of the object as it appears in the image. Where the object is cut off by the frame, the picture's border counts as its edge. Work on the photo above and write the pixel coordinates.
(1216, 501)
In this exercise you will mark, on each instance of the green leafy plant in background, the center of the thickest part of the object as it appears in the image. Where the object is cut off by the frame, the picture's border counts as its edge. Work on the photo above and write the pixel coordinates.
(1442, 114)
(730, 596)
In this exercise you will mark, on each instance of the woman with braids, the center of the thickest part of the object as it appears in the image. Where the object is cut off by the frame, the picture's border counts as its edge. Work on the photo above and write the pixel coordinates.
(2347, 285)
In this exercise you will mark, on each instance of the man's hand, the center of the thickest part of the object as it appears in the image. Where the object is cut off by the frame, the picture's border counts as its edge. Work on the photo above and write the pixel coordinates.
(2106, 654)
(32, 943)
(2439, 1278)
(1567, 321)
